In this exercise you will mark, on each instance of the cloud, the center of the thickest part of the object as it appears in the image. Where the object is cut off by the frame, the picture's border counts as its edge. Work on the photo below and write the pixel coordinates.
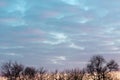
(58, 38)
(13, 21)
(83, 5)
(83, 21)
(108, 43)
(78, 62)
(71, 2)
(19, 6)
(72, 45)
(11, 47)
(53, 29)
(12, 54)
(61, 58)
(58, 59)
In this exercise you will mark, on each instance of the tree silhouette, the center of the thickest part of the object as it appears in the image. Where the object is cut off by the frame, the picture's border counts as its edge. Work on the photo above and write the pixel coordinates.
(11, 70)
(75, 74)
(30, 72)
(99, 68)
(112, 66)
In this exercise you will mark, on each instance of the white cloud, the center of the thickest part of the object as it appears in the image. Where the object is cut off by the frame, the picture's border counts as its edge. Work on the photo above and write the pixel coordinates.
(58, 38)
(12, 54)
(83, 20)
(86, 8)
(114, 48)
(50, 42)
(61, 58)
(71, 2)
(72, 45)
(54, 61)
(58, 59)
(108, 43)
(80, 4)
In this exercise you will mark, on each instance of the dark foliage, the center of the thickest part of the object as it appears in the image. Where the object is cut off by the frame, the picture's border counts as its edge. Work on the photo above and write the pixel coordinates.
(30, 72)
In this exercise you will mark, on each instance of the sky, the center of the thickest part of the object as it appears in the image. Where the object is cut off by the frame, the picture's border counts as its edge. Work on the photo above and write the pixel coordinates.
(59, 34)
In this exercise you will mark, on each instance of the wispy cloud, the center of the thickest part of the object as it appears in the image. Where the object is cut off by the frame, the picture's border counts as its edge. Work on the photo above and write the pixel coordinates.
(12, 54)
(18, 6)
(11, 47)
(72, 45)
(71, 2)
(58, 59)
(57, 38)
(14, 22)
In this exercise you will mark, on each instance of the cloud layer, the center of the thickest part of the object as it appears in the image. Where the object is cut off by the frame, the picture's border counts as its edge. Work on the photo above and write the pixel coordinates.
(58, 33)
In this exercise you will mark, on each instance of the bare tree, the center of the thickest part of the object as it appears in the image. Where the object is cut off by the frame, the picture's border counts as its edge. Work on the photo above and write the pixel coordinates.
(112, 66)
(98, 67)
(11, 70)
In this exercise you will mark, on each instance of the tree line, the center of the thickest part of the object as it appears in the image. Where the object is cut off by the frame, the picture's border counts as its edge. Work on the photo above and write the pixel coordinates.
(97, 68)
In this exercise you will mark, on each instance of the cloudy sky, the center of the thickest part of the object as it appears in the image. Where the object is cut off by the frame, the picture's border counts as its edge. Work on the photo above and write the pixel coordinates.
(59, 34)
